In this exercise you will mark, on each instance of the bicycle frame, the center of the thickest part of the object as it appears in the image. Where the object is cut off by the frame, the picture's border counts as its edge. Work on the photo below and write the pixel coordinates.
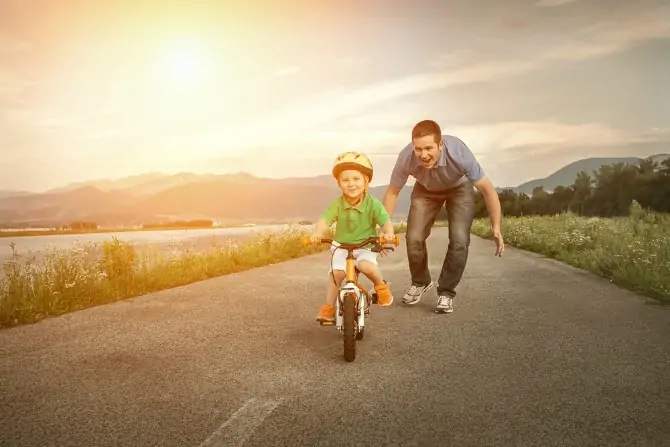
(351, 289)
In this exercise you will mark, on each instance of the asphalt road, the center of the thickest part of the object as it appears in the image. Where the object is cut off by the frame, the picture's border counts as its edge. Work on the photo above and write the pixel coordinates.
(536, 353)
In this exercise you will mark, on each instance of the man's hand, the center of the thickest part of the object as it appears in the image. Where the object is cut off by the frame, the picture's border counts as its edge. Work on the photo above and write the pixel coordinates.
(500, 245)
(492, 201)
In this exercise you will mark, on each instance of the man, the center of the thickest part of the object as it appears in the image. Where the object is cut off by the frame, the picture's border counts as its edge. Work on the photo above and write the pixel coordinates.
(445, 171)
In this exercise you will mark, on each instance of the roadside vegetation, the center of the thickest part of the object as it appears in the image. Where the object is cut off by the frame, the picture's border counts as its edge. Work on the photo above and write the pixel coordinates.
(88, 275)
(614, 222)
(632, 251)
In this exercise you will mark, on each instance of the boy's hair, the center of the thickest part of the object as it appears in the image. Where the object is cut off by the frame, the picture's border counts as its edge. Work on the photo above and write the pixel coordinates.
(427, 127)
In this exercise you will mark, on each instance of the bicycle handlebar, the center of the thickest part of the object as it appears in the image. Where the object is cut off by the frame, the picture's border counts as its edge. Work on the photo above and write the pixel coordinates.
(377, 240)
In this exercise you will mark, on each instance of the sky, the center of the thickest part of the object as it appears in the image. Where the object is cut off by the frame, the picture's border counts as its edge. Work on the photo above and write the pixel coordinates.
(108, 89)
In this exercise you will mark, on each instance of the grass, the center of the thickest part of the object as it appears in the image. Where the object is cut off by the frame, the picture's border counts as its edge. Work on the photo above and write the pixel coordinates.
(88, 275)
(633, 252)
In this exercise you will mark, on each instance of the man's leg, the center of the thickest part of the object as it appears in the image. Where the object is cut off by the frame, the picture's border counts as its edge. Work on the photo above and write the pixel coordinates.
(423, 210)
(460, 212)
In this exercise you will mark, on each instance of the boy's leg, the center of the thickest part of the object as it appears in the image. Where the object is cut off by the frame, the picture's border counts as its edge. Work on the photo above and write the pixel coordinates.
(327, 311)
(334, 281)
(336, 272)
(367, 264)
(461, 212)
(423, 210)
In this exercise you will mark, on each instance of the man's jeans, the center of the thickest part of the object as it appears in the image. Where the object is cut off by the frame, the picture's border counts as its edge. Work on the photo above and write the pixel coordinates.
(460, 204)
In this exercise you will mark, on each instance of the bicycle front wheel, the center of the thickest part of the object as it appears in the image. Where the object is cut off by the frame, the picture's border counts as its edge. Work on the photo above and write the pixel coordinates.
(349, 323)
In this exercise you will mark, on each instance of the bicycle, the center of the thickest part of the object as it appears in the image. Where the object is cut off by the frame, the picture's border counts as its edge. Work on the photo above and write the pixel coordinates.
(350, 309)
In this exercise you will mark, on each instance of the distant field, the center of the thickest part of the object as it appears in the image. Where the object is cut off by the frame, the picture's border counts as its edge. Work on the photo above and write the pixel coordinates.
(633, 252)
(54, 232)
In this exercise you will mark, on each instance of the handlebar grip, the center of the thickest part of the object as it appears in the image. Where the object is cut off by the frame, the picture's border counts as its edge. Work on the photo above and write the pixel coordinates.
(306, 240)
(395, 240)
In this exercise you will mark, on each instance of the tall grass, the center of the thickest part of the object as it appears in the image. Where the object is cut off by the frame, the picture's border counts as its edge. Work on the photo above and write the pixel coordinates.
(90, 274)
(87, 275)
(633, 251)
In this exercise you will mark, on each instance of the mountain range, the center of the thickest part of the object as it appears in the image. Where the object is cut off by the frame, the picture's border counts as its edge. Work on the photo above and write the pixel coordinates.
(228, 198)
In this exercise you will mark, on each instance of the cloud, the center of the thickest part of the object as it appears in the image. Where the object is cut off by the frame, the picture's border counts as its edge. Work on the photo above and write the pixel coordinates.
(9, 46)
(548, 136)
(453, 58)
(287, 71)
(329, 106)
(351, 61)
(553, 3)
(12, 86)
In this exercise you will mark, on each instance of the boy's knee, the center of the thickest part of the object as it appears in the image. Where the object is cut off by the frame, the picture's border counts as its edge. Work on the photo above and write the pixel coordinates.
(366, 266)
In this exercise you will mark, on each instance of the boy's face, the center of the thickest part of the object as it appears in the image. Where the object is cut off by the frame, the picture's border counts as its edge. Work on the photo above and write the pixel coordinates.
(352, 183)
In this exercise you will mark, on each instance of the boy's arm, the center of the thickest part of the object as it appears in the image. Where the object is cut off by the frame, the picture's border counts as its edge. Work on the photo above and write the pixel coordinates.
(387, 229)
(321, 227)
(326, 219)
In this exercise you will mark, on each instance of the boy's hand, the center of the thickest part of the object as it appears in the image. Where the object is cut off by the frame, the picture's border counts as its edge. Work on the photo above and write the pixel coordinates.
(385, 236)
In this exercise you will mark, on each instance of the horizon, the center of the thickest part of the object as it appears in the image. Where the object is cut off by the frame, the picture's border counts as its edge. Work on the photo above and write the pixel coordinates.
(119, 89)
(410, 181)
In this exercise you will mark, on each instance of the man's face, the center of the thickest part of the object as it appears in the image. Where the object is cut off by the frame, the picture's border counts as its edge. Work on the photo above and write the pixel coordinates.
(352, 183)
(427, 150)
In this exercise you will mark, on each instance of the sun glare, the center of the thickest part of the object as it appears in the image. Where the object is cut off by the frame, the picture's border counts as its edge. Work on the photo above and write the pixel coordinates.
(184, 66)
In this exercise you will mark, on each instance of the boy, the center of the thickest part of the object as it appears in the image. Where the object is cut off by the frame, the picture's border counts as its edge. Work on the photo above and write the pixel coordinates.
(357, 214)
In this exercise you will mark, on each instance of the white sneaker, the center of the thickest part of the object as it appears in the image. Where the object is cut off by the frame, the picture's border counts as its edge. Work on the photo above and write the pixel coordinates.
(444, 305)
(414, 293)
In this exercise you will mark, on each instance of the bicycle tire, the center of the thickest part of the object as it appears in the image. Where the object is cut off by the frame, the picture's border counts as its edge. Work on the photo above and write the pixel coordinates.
(349, 326)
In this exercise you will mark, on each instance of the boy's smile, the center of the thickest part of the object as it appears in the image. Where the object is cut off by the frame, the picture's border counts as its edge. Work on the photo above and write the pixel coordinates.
(352, 184)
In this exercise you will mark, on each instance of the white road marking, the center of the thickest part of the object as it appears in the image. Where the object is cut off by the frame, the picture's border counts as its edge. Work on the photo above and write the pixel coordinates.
(241, 425)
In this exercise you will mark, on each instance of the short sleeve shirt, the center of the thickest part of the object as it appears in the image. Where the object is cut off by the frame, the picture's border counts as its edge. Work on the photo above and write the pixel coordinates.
(457, 165)
(358, 222)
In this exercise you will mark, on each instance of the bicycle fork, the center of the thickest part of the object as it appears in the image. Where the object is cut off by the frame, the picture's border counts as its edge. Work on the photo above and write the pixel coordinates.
(361, 307)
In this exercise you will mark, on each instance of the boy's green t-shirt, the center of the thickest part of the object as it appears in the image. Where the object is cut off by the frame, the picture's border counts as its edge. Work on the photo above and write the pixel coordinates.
(355, 223)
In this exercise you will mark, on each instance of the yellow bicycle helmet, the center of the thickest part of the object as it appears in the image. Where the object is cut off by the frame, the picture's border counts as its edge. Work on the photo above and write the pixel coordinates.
(353, 160)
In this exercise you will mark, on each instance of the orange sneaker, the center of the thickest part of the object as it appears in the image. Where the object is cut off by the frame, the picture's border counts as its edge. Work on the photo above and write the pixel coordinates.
(384, 297)
(326, 314)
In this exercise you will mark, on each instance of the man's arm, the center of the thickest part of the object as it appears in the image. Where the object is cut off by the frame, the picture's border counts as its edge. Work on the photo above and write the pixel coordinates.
(390, 199)
(492, 201)
(398, 180)
(382, 218)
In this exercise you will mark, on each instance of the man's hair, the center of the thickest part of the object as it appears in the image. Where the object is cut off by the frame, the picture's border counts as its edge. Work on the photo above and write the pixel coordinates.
(427, 127)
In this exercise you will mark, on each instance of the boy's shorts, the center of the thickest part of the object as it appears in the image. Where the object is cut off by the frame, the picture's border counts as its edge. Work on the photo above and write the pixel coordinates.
(339, 259)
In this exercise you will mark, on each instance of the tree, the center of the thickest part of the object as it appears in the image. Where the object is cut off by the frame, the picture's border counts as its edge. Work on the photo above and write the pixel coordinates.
(610, 191)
